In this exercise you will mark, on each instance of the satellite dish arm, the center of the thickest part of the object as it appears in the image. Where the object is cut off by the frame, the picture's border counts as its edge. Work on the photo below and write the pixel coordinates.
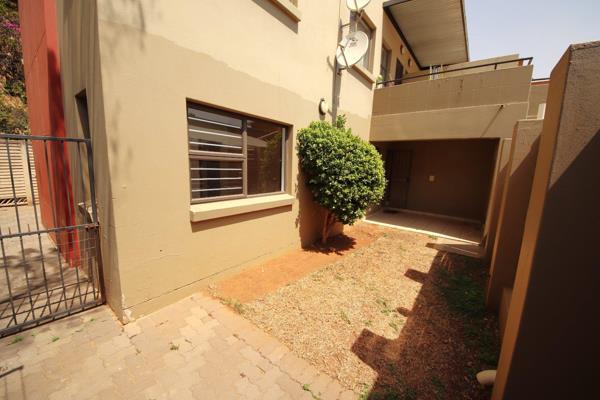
(346, 63)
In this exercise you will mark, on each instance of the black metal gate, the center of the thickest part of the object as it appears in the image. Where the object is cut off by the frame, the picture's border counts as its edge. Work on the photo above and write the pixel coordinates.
(50, 265)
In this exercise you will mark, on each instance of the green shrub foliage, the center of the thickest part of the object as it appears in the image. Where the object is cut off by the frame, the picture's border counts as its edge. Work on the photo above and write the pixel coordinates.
(344, 173)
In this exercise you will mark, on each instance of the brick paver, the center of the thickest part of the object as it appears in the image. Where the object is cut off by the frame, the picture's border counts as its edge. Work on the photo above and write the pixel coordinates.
(193, 349)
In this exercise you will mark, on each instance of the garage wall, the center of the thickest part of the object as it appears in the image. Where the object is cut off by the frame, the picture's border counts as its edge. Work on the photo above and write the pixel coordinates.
(462, 172)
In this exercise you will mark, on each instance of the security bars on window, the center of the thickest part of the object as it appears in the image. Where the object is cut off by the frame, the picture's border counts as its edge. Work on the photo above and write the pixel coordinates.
(232, 156)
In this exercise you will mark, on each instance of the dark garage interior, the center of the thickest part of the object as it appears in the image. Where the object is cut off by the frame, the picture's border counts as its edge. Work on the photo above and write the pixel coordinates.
(446, 177)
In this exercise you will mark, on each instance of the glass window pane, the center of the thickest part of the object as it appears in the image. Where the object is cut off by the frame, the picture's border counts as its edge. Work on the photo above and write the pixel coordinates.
(265, 144)
(399, 71)
(215, 178)
(214, 131)
(362, 26)
(385, 61)
(215, 116)
(206, 137)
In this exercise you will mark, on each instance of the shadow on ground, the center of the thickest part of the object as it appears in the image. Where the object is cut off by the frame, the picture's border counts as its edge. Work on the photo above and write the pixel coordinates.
(338, 244)
(448, 337)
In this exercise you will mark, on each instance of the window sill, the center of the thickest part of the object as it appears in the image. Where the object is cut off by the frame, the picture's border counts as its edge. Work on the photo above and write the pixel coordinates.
(365, 73)
(219, 209)
(287, 7)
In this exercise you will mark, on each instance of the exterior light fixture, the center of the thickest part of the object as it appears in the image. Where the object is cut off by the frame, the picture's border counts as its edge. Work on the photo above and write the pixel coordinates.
(323, 107)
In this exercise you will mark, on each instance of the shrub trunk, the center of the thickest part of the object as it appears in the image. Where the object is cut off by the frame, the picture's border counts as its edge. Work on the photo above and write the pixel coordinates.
(327, 225)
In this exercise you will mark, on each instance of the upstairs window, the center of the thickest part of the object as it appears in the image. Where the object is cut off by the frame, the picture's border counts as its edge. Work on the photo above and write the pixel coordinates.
(364, 26)
(399, 71)
(384, 68)
(233, 156)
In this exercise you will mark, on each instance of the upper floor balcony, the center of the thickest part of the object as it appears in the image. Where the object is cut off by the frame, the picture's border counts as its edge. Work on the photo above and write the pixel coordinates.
(481, 99)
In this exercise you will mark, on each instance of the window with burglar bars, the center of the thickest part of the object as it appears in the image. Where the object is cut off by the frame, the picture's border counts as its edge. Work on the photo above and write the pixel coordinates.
(233, 156)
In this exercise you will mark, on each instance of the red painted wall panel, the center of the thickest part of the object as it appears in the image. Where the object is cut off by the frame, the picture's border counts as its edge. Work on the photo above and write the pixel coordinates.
(46, 118)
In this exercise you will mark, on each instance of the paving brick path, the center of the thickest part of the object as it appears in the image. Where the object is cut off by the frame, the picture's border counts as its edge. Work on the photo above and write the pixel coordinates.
(193, 349)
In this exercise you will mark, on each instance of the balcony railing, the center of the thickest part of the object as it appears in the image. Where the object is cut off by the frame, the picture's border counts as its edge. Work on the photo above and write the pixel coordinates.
(436, 74)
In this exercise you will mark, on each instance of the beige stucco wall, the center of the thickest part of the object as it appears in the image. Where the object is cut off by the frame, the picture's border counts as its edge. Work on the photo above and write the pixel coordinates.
(139, 62)
(491, 121)
(485, 104)
(552, 327)
(476, 89)
(453, 70)
(77, 27)
(538, 93)
(513, 209)
(398, 50)
(493, 209)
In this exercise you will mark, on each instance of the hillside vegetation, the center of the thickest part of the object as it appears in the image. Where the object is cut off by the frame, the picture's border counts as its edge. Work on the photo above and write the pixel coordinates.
(13, 101)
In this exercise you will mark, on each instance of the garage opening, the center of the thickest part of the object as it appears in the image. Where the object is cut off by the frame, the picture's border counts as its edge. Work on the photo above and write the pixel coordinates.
(447, 179)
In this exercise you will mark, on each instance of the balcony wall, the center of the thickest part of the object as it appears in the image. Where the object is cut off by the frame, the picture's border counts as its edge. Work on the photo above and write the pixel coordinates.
(483, 104)
(537, 96)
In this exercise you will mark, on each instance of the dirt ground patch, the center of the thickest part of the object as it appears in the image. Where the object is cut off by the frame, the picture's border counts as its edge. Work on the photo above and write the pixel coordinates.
(393, 319)
(262, 279)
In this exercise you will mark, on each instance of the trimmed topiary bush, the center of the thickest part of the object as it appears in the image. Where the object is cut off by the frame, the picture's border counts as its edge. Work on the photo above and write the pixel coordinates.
(344, 173)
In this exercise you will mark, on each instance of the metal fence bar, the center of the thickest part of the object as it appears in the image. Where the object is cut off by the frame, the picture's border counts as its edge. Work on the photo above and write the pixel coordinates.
(90, 266)
(41, 286)
(12, 182)
(82, 188)
(54, 218)
(7, 275)
(50, 230)
(69, 198)
(52, 317)
(88, 146)
(37, 223)
(494, 64)
(44, 138)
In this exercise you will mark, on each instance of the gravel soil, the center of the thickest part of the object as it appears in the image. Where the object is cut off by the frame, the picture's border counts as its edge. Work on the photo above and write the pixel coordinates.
(393, 319)
(266, 277)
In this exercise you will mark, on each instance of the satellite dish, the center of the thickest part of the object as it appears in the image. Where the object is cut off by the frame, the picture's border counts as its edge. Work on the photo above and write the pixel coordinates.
(351, 49)
(357, 5)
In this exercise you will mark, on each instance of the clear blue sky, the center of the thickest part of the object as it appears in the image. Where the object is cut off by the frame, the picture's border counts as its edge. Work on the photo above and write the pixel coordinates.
(542, 29)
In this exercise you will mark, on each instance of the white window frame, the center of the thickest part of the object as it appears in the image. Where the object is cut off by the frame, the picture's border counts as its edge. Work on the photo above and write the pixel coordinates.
(365, 23)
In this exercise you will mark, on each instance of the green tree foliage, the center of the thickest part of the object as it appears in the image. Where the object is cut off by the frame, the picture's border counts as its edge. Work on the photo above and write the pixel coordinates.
(344, 173)
(11, 66)
(13, 114)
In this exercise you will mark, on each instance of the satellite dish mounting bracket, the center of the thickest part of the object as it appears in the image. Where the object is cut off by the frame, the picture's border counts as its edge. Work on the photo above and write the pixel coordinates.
(355, 44)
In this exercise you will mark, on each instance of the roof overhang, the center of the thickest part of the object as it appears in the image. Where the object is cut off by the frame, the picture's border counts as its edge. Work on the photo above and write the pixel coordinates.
(434, 30)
